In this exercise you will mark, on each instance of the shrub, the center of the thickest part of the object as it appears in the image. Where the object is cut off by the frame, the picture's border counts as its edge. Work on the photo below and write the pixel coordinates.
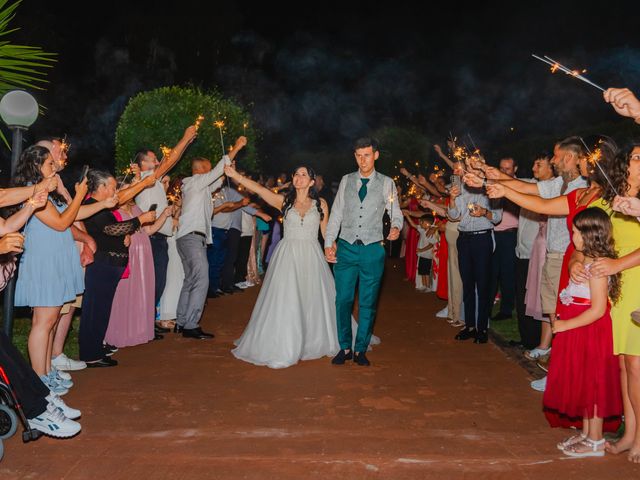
(159, 117)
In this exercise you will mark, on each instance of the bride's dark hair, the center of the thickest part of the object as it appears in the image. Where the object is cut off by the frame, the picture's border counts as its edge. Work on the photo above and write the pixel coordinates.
(290, 192)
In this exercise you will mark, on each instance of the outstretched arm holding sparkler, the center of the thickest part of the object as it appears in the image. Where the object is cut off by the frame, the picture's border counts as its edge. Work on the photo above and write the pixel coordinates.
(274, 199)
(436, 207)
(624, 102)
(176, 152)
(535, 203)
(15, 195)
(127, 194)
(413, 179)
(446, 159)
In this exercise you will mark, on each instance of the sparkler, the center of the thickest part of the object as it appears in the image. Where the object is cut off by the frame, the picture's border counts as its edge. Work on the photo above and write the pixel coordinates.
(220, 125)
(166, 151)
(244, 128)
(127, 171)
(594, 158)
(198, 121)
(473, 144)
(555, 66)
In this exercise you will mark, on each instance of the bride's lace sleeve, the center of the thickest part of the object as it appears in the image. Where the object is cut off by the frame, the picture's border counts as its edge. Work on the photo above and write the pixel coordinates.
(120, 229)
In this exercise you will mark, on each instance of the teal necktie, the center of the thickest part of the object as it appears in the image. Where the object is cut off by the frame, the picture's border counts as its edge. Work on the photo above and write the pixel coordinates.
(363, 189)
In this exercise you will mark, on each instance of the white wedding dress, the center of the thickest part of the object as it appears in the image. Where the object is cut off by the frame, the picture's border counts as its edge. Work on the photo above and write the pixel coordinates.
(295, 315)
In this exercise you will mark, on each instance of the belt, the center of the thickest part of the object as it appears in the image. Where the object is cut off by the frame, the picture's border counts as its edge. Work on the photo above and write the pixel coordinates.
(514, 229)
(477, 232)
(199, 233)
(159, 236)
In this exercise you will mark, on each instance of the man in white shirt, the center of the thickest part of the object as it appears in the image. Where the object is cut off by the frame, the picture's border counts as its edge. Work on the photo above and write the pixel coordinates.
(194, 234)
(156, 195)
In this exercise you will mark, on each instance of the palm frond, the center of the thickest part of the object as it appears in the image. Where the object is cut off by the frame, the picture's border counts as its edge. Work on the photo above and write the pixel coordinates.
(21, 66)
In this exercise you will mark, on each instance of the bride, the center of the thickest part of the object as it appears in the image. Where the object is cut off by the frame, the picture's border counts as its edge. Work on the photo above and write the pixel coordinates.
(294, 317)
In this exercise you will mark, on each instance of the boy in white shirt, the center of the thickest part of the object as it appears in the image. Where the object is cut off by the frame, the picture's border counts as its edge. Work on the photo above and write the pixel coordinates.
(428, 237)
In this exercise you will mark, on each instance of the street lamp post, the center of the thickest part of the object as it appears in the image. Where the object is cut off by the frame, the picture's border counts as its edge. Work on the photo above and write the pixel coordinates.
(18, 110)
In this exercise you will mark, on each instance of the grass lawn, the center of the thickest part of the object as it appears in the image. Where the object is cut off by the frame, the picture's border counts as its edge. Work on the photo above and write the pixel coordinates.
(507, 329)
(22, 326)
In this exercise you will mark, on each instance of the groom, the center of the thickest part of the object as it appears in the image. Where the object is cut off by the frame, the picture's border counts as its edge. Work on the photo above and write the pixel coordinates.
(359, 254)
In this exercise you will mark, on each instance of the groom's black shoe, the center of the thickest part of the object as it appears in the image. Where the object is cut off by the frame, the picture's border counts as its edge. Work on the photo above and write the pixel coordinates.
(342, 357)
(361, 359)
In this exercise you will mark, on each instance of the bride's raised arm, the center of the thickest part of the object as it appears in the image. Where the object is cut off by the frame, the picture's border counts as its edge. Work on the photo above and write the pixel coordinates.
(274, 199)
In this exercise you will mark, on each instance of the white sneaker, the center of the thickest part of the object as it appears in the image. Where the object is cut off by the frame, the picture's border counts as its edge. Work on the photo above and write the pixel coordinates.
(56, 401)
(53, 423)
(539, 385)
(249, 284)
(444, 313)
(241, 285)
(53, 386)
(60, 373)
(62, 362)
(537, 353)
(56, 378)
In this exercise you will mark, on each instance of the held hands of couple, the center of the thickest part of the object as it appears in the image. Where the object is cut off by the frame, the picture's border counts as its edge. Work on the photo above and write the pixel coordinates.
(330, 253)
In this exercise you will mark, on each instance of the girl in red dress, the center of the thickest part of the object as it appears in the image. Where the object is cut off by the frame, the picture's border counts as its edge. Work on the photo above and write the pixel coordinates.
(583, 383)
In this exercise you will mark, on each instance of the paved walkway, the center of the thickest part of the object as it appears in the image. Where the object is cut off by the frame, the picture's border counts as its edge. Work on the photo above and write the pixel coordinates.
(428, 407)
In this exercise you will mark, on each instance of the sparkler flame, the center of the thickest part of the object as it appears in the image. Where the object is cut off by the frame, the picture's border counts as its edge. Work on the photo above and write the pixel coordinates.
(555, 65)
(198, 121)
(166, 151)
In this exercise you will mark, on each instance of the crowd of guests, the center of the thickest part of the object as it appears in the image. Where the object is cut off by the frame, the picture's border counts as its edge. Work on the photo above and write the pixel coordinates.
(562, 249)
(139, 254)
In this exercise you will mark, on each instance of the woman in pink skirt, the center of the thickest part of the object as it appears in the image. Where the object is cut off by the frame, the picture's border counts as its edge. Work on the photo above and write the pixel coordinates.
(133, 311)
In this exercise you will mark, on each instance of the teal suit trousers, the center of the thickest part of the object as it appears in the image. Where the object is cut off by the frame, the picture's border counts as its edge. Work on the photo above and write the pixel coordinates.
(361, 266)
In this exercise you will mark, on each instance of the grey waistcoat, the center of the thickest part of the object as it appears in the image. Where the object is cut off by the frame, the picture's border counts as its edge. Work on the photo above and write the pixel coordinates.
(363, 221)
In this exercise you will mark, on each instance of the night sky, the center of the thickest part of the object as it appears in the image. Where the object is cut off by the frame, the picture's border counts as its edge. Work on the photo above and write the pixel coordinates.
(317, 76)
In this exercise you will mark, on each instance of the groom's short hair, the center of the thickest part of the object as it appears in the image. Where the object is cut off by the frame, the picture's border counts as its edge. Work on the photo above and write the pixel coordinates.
(365, 142)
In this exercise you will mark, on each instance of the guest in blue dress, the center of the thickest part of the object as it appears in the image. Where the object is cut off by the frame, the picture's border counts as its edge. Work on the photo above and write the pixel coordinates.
(50, 273)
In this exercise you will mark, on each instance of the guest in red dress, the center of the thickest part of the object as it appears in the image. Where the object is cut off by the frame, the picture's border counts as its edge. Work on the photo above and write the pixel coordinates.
(583, 382)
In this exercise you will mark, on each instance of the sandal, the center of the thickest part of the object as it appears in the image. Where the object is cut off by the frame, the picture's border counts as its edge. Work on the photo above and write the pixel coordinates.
(572, 440)
(586, 448)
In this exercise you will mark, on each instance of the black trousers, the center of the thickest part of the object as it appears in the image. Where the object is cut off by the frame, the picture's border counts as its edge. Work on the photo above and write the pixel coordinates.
(503, 269)
(474, 259)
(29, 389)
(160, 251)
(100, 283)
(528, 327)
(233, 242)
(244, 247)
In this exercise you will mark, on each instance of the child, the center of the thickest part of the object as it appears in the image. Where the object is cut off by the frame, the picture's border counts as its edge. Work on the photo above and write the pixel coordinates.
(583, 385)
(427, 238)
